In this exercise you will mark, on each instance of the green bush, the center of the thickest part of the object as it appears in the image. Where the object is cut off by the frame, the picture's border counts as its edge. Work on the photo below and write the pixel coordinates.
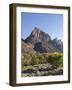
(26, 60)
(55, 59)
(41, 58)
(34, 60)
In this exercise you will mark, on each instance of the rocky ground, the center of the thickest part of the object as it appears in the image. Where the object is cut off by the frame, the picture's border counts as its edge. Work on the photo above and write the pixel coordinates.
(41, 70)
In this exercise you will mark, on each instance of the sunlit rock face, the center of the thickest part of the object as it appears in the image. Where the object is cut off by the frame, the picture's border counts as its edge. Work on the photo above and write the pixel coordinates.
(39, 41)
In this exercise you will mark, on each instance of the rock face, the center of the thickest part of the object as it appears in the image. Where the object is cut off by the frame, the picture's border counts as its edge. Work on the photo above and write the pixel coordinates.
(58, 43)
(39, 41)
(26, 47)
(38, 35)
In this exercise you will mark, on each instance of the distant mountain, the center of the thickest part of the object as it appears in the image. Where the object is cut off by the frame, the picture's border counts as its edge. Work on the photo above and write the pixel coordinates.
(39, 41)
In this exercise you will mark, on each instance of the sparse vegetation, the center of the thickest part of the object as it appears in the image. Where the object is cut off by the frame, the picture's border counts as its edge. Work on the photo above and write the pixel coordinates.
(41, 58)
(38, 63)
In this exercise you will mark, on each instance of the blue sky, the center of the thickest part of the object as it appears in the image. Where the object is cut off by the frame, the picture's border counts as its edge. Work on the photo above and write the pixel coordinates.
(49, 23)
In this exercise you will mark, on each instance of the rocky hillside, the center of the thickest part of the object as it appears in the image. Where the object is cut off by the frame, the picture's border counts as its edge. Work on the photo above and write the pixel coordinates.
(39, 41)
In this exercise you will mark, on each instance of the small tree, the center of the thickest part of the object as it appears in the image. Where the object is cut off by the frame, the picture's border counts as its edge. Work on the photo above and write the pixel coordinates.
(55, 59)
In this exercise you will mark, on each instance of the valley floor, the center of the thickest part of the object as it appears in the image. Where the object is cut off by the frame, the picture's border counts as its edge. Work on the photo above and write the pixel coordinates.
(41, 64)
(41, 70)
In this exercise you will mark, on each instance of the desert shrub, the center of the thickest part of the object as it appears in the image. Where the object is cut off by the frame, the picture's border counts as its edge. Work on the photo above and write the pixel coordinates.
(37, 59)
(55, 59)
(26, 60)
(34, 60)
(41, 58)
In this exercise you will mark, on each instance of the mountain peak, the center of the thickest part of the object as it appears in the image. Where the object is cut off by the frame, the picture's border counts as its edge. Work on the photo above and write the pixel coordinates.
(35, 31)
(37, 35)
(36, 28)
(40, 41)
(57, 41)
